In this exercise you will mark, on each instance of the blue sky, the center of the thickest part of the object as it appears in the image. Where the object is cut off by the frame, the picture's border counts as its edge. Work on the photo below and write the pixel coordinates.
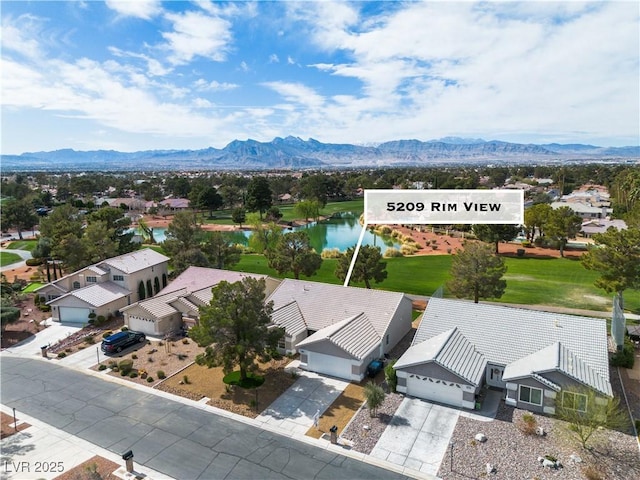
(162, 75)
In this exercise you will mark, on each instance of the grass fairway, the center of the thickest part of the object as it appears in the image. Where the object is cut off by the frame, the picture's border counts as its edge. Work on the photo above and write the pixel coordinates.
(7, 258)
(530, 281)
(28, 245)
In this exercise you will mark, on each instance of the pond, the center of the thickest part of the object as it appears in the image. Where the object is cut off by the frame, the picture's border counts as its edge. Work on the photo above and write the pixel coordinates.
(340, 231)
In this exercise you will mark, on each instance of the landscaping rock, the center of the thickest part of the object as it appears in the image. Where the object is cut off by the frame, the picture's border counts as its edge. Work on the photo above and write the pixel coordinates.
(491, 469)
(481, 437)
(540, 432)
(546, 463)
(575, 458)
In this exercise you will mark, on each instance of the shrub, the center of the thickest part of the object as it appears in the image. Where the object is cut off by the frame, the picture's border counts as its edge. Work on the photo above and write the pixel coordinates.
(592, 473)
(100, 320)
(526, 244)
(62, 354)
(182, 356)
(185, 379)
(9, 315)
(392, 253)
(528, 424)
(161, 374)
(34, 262)
(625, 357)
(106, 334)
(102, 367)
(331, 253)
(45, 308)
(408, 249)
(124, 329)
(123, 373)
(125, 365)
(390, 376)
(520, 252)
(134, 356)
(185, 341)
(90, 340)
(92, 315)
(68, 350)
(149, 379)
(133, 374)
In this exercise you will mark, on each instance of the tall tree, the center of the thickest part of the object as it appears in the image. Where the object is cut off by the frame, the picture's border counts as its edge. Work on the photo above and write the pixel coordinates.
(239, 215)
(98, 242)
(307, 209)
(220, 250)
(259, 195)
(183, 233)
(209, 199)
(62, 221)
(369, 265)
(535, 218)
(119, 224)
(495, 233)
(264, 237)
(562, 225)
(236, 327)
(314, 187)
(293, 253)
(616, 256)
(19, 214)
(477, 272)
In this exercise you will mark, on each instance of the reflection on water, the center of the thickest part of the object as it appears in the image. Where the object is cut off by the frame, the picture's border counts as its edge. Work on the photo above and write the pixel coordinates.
(341, 231)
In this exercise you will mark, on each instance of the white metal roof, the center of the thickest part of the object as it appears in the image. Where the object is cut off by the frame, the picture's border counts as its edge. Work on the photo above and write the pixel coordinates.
(355, 335)
(322, 304)
(135, 261)
(506, 334)
(452, 351)
(557, 357)
(290, 318)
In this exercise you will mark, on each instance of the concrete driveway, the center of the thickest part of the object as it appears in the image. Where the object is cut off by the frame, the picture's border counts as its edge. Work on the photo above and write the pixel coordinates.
(418, 435)
(294, 409)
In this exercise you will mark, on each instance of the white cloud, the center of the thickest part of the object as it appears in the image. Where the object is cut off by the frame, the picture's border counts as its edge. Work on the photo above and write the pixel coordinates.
(273, 58)
(20, 35)
(297, 93)
(244, 66)
(145, 9)
(197, 35)
(201, 84)
(154, 67)
(290, 60)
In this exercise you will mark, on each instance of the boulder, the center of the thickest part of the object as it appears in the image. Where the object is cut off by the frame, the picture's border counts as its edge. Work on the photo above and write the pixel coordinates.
(549, 463)
(491, 469)
(481, 437)
(540, 432)
(575, 458)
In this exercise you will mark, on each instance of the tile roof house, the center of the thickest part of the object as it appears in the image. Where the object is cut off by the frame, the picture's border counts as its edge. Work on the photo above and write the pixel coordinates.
(177, 305)
(339, 330)
(533, 356)
(105, 287)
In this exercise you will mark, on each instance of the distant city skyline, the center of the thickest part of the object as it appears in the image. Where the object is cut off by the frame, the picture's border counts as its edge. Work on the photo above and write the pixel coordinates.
(148, 75)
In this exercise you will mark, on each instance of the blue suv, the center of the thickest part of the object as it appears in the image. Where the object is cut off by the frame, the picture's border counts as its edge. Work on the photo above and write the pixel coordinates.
(118, 341)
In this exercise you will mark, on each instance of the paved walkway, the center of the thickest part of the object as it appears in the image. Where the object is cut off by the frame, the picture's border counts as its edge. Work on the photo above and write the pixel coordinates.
(295, 409)
(24, 254)
(43, 445)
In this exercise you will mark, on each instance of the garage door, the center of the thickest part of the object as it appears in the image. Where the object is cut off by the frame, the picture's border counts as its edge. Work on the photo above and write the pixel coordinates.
(74, 315)
(329, 365)
(442, 392)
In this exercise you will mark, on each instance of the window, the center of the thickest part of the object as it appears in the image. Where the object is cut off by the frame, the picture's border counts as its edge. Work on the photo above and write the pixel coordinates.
(92, 280)
(76, 285)
(387, 339)
(574, 401)
(282, 344)
(530, 395)
(118, 278)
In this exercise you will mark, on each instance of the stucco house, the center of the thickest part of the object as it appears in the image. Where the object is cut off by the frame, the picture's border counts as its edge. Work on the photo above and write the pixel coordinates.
(177, 305)
(103, 288)
(339, 330)
(534, 357)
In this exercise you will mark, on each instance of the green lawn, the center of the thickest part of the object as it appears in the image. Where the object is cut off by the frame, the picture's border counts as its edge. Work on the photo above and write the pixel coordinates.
(32, 287)
(530, 281)
(7, 258)
(23, 245)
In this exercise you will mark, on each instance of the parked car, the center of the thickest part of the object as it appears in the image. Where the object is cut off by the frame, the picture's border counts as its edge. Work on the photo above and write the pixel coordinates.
(119, 341)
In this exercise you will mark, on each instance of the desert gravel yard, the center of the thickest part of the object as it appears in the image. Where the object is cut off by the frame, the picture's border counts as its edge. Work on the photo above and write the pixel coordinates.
(615, 455)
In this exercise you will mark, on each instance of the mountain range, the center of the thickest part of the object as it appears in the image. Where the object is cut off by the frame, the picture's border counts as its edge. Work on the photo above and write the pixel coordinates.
(296, 154)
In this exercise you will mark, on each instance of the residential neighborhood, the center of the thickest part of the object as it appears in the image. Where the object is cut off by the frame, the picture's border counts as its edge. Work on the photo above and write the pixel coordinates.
(410, 376)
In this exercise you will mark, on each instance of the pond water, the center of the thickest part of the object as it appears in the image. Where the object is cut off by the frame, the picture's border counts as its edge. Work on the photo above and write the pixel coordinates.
(339, 232)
